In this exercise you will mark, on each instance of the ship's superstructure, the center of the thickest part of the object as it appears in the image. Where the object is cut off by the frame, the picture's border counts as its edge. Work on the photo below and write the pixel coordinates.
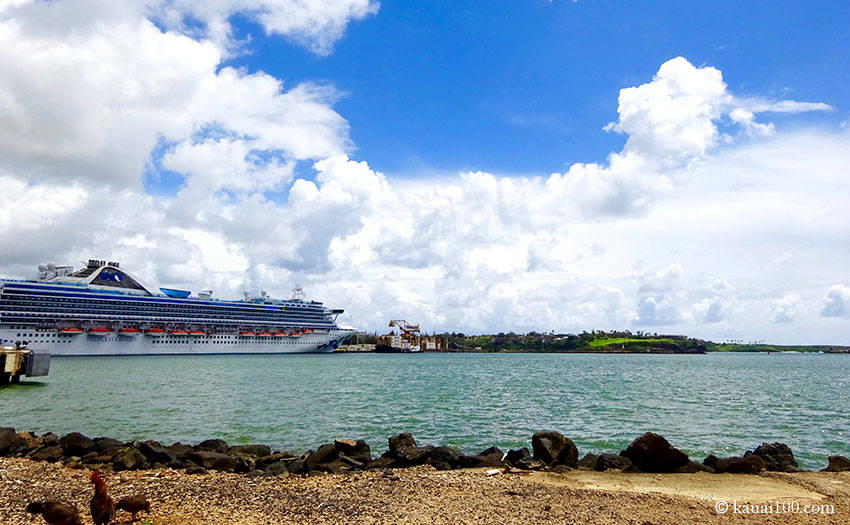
(103, 310)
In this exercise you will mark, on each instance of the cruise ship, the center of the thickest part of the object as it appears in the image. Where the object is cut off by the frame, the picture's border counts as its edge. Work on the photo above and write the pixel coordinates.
(103, 310)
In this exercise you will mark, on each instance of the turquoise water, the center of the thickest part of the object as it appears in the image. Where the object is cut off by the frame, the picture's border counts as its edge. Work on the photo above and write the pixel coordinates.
(719, 404)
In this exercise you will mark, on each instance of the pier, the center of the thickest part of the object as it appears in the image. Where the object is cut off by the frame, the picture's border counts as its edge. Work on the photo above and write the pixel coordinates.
(16, 361)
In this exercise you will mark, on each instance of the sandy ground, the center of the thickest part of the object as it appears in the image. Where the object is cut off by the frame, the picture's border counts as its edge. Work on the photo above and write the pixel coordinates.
(423, 495)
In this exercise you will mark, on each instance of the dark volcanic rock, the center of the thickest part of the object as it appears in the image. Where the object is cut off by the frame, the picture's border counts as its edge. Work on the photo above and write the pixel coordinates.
(385, 461)
(129, 458)
(255, 451)
(27, 443)
(553, 448)
(693, 467)
(212, 445)
(213, 460)
(612, 461)
(749, 464)
(445, 458)
(324, 454)
(50, 454)
(588, 462)
(405, 452)
(76, 444)
(180, 464)
(490, 458)
(196, 470)
(778, 457)
(244, 464)
(711, 462)
(276, 468)
(50, 439)
(357, 450)
(156, 453)
(265, 461)
(513, 456)
(180, 450)
(652, 453)
(837, 464)
(529, 464)
(104, 443)
(8, 440)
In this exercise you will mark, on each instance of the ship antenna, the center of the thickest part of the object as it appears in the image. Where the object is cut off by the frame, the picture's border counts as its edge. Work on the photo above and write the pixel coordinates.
(298, 292)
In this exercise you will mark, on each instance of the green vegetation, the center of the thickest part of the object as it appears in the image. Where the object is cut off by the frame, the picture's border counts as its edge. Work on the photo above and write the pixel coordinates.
(742, 347)
(623, 340)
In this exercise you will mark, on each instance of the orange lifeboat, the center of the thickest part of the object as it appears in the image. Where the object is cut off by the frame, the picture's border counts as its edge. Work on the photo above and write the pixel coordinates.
(71, 331)
(155, 332)
(247, 334)
(129, 331)
(308, 330)
(100, 330)
(179, 332)
(265, 334)
(197, 332)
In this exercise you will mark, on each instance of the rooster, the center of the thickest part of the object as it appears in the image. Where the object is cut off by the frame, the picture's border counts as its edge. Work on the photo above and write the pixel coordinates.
(134, 505)
(102, 507)
(56, 512)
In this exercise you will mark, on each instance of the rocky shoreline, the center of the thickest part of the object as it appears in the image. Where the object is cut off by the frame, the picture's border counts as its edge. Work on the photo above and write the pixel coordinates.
(550, 451)
(650, 482)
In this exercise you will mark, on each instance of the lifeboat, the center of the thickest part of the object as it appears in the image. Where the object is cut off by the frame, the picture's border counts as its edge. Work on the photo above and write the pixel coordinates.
(179, 332)
(129, 331)
(197, 332)
(280, 334)
(71, 331)
(100, 330)
(295, 334)
(264, 334)
(308, 330)
(155, 332)
(247, 334)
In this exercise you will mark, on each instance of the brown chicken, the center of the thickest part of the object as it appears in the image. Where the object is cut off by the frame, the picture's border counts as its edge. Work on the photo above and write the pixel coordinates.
(56, 512)
(134, 504)
(102, 507)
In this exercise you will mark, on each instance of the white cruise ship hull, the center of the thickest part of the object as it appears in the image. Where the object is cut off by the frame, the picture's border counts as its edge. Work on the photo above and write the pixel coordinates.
(115, 344)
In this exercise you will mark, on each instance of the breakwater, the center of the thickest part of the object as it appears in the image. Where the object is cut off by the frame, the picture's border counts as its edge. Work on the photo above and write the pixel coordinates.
(649, 452)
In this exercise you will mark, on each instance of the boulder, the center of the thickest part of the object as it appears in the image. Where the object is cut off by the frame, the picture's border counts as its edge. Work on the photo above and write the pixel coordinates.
(488, 458)
(254, 451)
(265, 461)
(358, 450)
(180, 450)
(778, 457)
(749, 464)
(515, 455)
(8, 440)
(104, 443)
(212, 445)
(445, 458)
(337, 466)
(27, 443)
(588, 462)
(693, 467)
(612, 461)
(51, 454)
(76, 444)
(196, 470)
(50, 439)
(837, 464)
(529, 464)
(180, 464)
(652, 453)
(384, 462)
(324, 454)
(129, 458)
(553, 448)
(213, 460)
(156, 453)
(276, 468)
(298, 465)
(244, 464)
(406, 453)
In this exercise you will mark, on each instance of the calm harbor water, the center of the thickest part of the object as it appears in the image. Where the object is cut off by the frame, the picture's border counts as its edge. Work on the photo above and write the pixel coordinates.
(720, 404)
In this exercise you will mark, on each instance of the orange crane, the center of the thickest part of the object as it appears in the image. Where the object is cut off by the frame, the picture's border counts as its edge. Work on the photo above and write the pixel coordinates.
(409, 332)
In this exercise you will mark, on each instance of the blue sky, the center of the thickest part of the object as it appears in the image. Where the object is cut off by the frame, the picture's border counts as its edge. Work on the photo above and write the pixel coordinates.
(677, 167)
(526, 87)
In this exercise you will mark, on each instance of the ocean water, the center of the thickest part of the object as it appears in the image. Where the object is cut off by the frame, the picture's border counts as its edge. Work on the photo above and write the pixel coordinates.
(719, 403)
